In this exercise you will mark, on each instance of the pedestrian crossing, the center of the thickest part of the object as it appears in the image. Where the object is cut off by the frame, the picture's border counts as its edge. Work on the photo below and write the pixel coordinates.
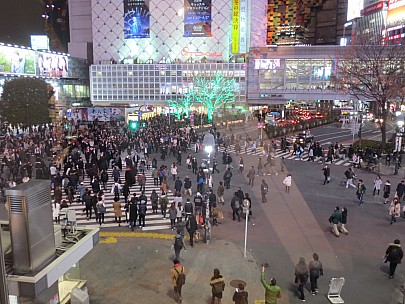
(153, 222)
(287, 155)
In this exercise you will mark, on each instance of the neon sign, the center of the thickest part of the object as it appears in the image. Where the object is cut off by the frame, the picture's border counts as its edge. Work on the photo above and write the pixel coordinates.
(185, 52)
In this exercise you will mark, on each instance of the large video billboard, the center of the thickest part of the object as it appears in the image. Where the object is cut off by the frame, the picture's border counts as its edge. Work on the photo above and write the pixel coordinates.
(197, 18)
(136, 19)
(396, 13)
(17, 61)
(53, 65)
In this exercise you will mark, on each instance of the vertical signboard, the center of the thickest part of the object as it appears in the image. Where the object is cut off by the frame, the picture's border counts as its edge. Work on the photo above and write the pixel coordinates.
(197, 18)
(243, 27)
(235, 26)
(136, 19)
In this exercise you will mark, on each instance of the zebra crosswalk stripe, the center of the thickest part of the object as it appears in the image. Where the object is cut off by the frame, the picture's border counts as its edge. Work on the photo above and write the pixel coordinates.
(286, 154)
(152, 221)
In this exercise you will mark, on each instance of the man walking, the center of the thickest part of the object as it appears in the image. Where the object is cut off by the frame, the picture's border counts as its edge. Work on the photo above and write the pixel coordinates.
(326, 174)
(394, 255)
(264, 189)
(273, 292)
(251, 176)
(191, 226)
(361, 189)
(334, 219)
(227, 178)
(349, 176)
(235, 204)
(315, 271)
(178, 245)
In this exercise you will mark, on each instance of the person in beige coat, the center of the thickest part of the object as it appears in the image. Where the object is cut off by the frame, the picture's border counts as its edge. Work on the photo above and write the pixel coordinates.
(117, 211)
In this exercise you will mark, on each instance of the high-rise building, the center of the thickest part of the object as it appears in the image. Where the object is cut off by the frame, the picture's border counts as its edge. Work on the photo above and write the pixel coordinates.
(149, 51)
(373, 19)
(313, 22)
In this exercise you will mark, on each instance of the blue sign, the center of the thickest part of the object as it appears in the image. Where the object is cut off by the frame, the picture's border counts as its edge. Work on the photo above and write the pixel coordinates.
(197, 18)
(136, 19)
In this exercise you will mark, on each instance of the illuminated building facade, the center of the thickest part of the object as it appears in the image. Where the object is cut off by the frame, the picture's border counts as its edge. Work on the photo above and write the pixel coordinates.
(373, 19)
(310, 22)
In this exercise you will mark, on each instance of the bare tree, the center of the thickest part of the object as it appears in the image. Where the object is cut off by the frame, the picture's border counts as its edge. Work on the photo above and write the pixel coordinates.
(372, 72)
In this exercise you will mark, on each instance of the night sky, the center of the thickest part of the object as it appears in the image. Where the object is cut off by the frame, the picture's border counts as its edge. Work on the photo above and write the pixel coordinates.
(19, 19)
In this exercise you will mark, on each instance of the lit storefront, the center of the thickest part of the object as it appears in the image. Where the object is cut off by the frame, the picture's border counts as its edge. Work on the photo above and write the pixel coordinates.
(68, 76)
(277, 75)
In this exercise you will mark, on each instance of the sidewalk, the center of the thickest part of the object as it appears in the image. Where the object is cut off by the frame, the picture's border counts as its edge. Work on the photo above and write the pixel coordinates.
(139, 268)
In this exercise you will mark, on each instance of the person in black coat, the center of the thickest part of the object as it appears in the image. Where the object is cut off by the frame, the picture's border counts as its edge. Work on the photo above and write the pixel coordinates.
(133, 211)
(394, 255)
(191, 226)
(400, 190)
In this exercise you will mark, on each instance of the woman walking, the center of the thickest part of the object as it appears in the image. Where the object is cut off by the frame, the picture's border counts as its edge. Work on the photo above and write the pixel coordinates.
(301, 277)
(179, 214)
(172, 215)
(395, 210)
(387, 190)
(100, 210)
(287, 182)
(117, 211)
(377, 185)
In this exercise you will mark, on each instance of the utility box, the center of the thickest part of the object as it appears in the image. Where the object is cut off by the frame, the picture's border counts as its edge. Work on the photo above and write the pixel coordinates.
(335, 288)
(31, 227)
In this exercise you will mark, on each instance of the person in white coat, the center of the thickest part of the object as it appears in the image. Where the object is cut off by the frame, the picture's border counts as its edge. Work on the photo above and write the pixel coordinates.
(287, 182)
(55, 212)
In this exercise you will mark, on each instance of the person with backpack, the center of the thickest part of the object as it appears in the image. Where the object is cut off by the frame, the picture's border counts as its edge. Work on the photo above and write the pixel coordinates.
(394, 255)
(178, 278)
(218, 285)
(235, 205)
(116, 189)
(142, 208)
(178, 245)
(264, 189)
(240, 296)
(163, 202)
(301, 277)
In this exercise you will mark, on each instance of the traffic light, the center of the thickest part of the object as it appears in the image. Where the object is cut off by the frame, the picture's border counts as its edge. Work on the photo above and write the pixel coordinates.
(144, 124)
(133, 125)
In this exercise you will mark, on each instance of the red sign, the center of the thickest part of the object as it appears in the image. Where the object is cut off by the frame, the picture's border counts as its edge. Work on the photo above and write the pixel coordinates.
(372, 8)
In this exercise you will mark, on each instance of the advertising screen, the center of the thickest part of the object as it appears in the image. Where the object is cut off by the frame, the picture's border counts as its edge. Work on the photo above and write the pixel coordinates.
(40, 42)
(354, 8)
(197, 18)
(53, 65)
(136, 19)
(396, 13)
(267, 64)
(17, 61)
